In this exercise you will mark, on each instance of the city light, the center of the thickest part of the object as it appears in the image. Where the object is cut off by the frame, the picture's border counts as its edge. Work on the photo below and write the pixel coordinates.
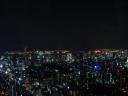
(63, 72)
(1, 66)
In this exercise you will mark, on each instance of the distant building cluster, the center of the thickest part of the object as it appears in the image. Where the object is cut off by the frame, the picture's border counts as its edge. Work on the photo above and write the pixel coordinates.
(73, 56)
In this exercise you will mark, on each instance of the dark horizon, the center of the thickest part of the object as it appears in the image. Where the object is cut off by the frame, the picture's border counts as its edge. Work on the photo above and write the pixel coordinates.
(63, 24)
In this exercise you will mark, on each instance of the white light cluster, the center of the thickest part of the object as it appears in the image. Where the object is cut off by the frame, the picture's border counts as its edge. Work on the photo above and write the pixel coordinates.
(1, 66)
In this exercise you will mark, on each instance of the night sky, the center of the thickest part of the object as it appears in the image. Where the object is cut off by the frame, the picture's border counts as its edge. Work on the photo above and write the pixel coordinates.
(59, 24)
